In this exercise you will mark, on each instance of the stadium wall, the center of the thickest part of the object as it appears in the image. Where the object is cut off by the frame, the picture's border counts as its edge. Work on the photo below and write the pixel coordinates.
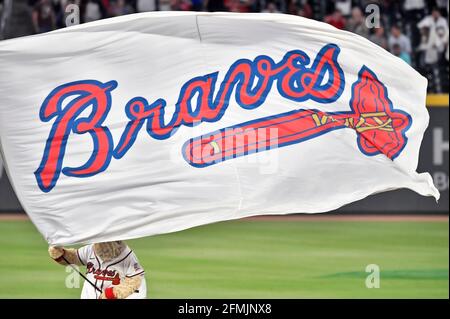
(433, 158)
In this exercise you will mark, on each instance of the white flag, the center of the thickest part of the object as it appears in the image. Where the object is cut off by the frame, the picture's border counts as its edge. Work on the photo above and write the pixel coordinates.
(157, 122)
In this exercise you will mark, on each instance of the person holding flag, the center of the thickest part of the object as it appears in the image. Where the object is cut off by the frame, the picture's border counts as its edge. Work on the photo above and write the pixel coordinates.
(112, 270)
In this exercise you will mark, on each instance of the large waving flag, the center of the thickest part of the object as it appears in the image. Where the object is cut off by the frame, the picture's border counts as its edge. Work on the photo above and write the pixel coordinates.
(157, 122)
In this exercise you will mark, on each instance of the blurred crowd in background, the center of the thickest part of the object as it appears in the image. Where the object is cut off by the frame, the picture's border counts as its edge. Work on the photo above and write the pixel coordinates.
(414, 30)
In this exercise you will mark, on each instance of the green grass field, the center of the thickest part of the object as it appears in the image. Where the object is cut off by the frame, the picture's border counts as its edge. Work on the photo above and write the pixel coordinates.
(255, 259)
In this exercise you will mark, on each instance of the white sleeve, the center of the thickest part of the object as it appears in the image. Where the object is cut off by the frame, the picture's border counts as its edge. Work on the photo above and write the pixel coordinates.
(133, 268)
(425, 22)
(83, 253)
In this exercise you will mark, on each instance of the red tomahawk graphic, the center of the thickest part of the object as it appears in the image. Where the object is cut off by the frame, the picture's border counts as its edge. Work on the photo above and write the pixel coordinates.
(380, 129)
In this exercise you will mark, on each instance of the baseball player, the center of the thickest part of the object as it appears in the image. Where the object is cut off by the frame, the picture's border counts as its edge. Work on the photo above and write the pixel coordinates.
(112, 268)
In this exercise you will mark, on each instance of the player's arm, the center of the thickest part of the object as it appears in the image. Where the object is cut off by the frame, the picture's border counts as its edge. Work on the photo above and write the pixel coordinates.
(58, 254)
(128, 286)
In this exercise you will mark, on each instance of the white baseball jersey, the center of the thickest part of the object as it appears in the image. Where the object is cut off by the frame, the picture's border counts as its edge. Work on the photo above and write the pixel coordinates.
(111, 273)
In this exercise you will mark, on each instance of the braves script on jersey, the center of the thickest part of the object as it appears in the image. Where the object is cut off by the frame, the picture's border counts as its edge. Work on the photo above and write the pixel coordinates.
(111, 273)
(157, 122)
